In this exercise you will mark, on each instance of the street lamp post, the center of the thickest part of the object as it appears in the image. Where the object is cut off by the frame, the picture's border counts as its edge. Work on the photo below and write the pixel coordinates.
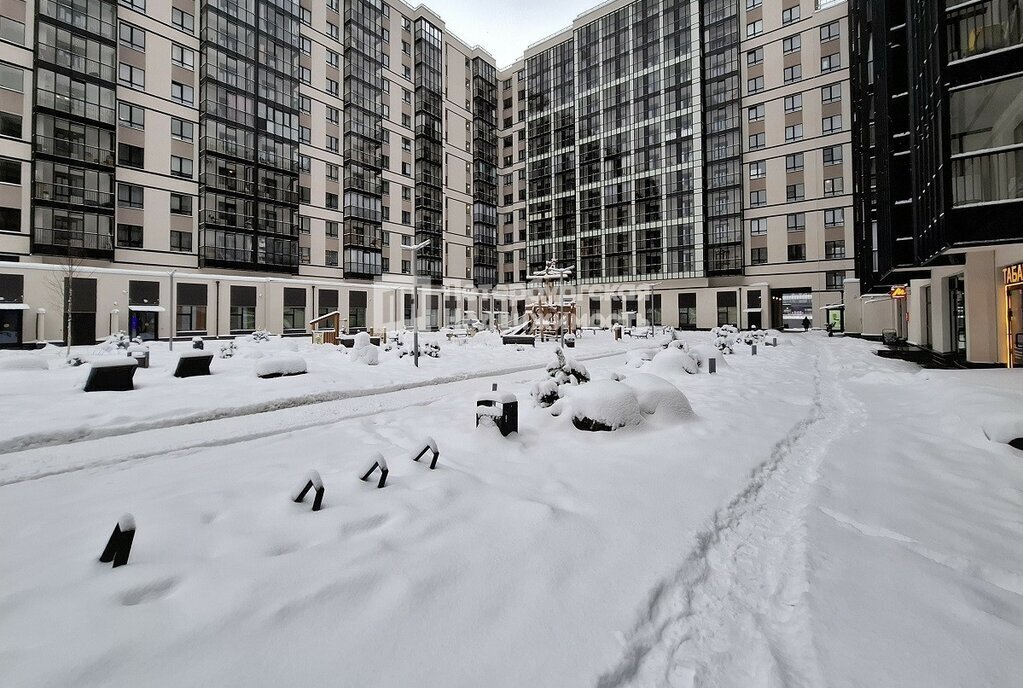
(415, 296)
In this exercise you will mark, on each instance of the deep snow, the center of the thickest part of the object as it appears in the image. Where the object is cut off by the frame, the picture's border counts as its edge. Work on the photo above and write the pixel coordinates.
(824, 518)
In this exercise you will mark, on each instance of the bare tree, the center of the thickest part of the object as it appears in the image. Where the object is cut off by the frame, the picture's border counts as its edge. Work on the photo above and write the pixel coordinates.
(61, 282)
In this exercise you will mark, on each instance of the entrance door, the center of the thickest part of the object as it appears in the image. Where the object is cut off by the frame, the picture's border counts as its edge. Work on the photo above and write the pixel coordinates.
(1014, 299)
(10, 327)
(83, 329)
(957, 317)
(925, 319)
(143, 324)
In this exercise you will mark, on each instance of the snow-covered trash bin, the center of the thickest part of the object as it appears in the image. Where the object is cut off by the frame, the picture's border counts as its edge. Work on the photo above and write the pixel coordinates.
(500, 409)
(280, 366)
(364, 351)
(193, 363)
(111, 375)
(601, 405)
(197, 343)
(570, 341)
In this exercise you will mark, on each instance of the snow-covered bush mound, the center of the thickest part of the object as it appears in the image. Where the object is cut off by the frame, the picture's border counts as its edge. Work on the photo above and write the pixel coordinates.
(1004, 428)
(637, 357)
(704, 353)
(658, 396)
(725, 337)
(260, 336)
(276, 366)
(673, 361)
(674, 340)
(25, 362)
(600, 405)
(430, 349)
(363, 350)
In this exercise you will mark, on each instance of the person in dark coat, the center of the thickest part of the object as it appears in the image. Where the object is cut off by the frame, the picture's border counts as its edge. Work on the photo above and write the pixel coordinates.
(806, 324)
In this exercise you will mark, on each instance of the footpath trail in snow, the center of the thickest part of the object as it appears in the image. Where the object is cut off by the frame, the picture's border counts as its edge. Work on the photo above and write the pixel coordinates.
(735, 613)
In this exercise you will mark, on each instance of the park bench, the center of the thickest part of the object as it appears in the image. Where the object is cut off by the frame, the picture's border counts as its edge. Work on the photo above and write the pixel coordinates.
(192, 363)
(524, 339)
(112, 375)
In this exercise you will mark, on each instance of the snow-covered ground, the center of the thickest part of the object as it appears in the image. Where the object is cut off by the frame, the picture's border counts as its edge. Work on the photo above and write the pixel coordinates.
(825, 518)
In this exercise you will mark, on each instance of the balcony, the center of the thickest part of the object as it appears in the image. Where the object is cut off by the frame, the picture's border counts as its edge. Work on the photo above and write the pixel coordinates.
(988, 176)
(73, 150)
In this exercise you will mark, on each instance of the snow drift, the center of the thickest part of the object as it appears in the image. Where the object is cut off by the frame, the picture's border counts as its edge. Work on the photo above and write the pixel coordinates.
(276, 366)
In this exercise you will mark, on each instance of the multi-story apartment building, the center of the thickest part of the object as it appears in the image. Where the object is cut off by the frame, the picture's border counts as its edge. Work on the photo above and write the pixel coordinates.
(697, 155)
(939, 151)
(205, 167)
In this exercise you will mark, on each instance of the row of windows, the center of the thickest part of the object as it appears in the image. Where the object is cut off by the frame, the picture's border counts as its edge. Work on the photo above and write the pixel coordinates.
(794, 162)
(796, 222)
(833, 186)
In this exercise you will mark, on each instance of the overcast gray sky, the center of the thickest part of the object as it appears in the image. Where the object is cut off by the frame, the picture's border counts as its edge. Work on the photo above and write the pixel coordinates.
(506, 27)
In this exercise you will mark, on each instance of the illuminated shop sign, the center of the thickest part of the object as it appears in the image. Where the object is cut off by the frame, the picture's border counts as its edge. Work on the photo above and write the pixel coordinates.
(1013, 274)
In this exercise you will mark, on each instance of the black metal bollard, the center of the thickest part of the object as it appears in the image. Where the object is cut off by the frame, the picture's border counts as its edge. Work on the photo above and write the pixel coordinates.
(313, 482)
(378, 462)
(754, 349)
(430, 446)
(119, 545)
(712, 365)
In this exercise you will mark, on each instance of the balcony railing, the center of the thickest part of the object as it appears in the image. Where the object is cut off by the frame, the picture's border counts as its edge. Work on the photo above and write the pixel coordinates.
(73, 150)
(988, 176)
(983, 26)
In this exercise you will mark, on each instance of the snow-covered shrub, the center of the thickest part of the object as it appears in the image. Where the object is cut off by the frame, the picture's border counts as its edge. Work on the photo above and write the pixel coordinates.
(430, 349)
(600, 405)
(637, 357)
(228, 350)
(673, 361)
(260, 336)
(276, 366)
(563, 370)
(725, 338)
(657, 395)
(364, 351)
(674, 340)
(75, 361)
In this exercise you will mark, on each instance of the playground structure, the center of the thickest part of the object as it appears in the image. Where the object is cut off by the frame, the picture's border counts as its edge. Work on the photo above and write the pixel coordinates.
(550, 315)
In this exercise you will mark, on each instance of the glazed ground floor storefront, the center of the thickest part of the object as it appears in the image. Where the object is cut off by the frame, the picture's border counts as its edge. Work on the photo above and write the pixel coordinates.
(42, 302)
(970, 313)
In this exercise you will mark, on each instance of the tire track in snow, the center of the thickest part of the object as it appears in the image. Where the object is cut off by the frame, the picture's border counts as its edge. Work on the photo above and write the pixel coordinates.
(82, 434)
(735, 613)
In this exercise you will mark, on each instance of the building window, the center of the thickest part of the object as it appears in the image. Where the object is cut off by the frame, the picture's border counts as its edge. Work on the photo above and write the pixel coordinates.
(830, 32)
(130, 156)
(10, 219)
(754, 28)
(132, 77)
(757, 141)
(10, 171)
(12, 30)
(180, 129)
(294, 310)
(834, 217)
(789, 15)
(129, 236)
(191, 308)
(757, 199)
(182, 93)
(795, 222)
(756, 113)
(132, 37)
(794, 192)
(181, 167)
(794, 162)
(797, 252)
(182, 56)
(791, 44)
(180, 204)
(834, 280)
(794, 103)
(831, 93)
(834, 250)
(830, 63)
(183, 20)
(10, 125)
(330, 259)
(755, 85)
(833, 187)
(133, 116)
(794, 132)
(832, 155)
(758, 227)
(180, 241)
(332, 229)
(728, 308)
(129, 196)
(830, 125)
(757, 170)
(304, 257)
(793, 73)
(755, 57)
(12, 77)
(243, 309)
(758, 256)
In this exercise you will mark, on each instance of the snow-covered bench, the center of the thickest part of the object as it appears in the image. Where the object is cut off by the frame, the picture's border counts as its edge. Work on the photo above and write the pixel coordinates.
(453, 332)
(348, 342)
(192, 363)
(524, 339)
(112, 375)
(640, 332)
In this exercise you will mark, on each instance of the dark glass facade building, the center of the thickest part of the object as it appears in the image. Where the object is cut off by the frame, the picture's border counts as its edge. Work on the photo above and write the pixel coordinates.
(484, 173)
